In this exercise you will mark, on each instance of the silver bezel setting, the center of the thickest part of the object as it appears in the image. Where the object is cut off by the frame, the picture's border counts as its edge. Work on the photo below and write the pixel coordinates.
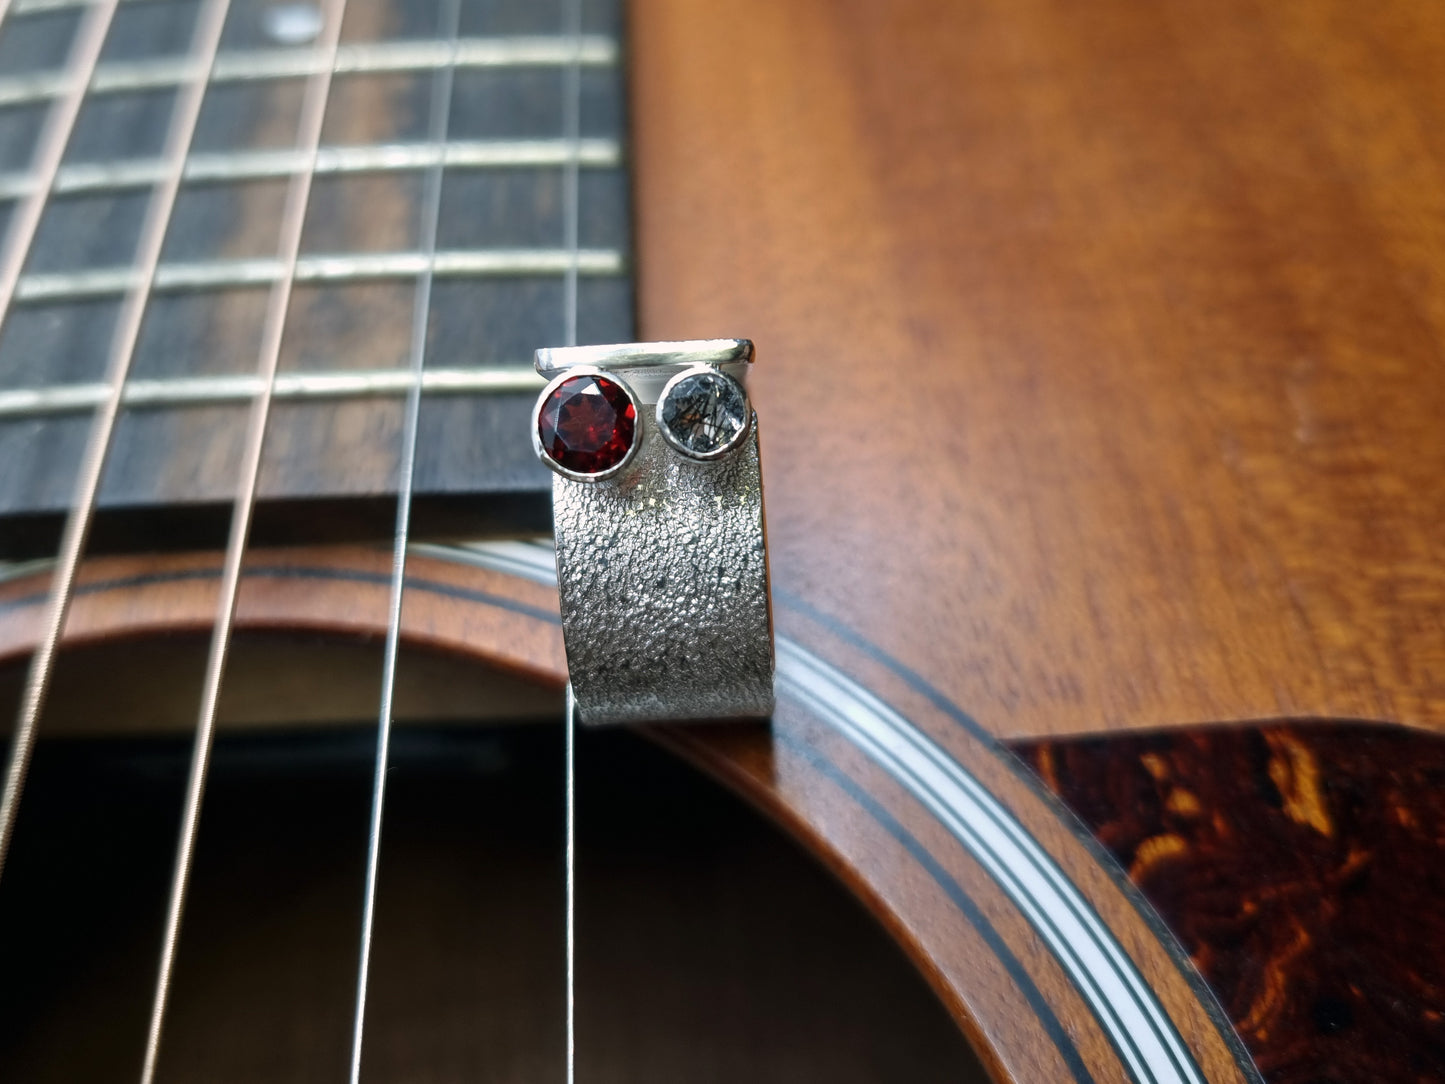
(635, 554)
(552, 385)
(671, 438)
(731, 355)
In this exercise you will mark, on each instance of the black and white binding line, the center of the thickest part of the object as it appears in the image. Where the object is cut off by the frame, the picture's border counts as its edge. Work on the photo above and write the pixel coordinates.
(1142, 1033)
(1148, 1043)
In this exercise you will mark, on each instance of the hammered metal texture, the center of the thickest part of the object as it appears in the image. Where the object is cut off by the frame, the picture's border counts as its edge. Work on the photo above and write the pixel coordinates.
(664, 582)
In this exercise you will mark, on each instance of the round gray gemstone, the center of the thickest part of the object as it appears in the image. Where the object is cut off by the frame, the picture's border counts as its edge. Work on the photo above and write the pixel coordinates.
(704, 414)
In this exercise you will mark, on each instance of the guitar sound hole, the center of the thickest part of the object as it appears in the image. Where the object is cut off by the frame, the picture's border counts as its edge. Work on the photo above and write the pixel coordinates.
(711, 948)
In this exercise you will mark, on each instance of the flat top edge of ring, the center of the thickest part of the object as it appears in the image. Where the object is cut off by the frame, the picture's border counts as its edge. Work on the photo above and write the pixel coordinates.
(552, 361)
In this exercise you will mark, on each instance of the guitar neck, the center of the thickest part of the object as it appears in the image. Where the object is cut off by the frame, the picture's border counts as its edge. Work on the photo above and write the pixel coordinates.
(500, 267)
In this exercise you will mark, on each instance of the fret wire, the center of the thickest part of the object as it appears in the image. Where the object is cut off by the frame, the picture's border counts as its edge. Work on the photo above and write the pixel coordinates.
(571, 132)
(439, 122)
(185, 391)
(251, 65)
(84, 55)
(216, 274)
(119, 175)
(293, 217)
(32, 7)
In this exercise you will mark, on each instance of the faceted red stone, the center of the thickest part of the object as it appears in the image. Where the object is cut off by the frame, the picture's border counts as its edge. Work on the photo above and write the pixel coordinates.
(587, 424)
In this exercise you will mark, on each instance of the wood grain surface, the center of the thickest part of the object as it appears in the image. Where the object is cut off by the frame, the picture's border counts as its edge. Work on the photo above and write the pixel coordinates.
(1025, 1012)
(1099, 384)
(699, 923)
(1099, 345)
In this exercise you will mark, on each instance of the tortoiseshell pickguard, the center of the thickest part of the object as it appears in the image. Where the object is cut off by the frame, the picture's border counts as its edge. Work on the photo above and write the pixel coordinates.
(1301, 866)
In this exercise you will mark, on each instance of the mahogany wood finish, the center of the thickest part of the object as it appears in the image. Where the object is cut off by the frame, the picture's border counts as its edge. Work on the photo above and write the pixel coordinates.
(1098, 368)
(1099, 344)
(696, 916)
(1301, 866)
(1110, 331)
(1026, 1018)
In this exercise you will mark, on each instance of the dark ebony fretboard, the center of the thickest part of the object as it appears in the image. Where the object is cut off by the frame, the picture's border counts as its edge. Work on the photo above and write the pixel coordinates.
(333, 443)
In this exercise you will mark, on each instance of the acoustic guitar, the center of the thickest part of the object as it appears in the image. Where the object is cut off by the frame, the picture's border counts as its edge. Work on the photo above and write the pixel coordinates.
(1099, 384)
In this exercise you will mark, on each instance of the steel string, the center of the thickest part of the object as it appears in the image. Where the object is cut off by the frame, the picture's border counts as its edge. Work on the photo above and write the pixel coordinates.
(180, 131)
(90, 36)
(293, 217)
(571, 134)
(440, 116)
(570, 860)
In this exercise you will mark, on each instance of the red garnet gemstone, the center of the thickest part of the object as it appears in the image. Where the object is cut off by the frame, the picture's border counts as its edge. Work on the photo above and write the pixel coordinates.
(587, 424)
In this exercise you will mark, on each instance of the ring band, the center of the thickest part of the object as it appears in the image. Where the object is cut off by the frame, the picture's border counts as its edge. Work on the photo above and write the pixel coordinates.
(658, 515)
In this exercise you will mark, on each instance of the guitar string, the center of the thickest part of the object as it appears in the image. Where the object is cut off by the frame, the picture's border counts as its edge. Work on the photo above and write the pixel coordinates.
(571, 134)
(570, 860)
(293, 218)
(54, 138)
(245, 503)
(572, 138)
(439, 122)
(90, 37)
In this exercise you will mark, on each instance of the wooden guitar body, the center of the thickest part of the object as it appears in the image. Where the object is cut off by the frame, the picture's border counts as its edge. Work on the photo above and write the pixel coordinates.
(1099, 389)
(1111, 332)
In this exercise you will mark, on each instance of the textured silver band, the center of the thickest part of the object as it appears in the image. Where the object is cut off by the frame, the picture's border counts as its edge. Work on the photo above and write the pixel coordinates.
(662, 569)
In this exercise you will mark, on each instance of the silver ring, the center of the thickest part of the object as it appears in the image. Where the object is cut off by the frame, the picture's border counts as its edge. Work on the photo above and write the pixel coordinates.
(661, 550)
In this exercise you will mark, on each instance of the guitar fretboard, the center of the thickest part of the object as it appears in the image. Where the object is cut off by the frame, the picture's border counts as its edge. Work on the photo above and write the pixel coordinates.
(333, 442)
